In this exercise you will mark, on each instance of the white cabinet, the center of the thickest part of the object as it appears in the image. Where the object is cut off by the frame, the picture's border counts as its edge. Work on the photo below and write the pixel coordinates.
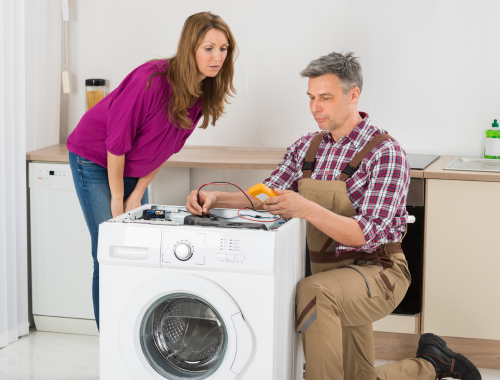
(462, 281)
(402, 324)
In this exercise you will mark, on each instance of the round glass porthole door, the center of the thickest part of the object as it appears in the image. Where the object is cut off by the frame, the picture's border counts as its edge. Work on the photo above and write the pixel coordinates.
(182, 336)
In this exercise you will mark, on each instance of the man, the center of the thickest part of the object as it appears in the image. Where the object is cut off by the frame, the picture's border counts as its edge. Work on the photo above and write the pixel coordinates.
(352, 181)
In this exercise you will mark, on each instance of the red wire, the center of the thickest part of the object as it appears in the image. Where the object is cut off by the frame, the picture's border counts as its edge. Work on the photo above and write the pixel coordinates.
(238, 212)
(220, 184)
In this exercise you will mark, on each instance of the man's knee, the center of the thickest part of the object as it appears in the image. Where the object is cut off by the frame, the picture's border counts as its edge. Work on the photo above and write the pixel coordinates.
(313, 286)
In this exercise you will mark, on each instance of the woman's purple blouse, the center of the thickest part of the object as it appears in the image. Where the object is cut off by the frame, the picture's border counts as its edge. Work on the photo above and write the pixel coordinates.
(131, 121)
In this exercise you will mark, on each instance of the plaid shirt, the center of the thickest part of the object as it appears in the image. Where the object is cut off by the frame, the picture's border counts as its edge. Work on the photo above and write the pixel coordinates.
(377, 190)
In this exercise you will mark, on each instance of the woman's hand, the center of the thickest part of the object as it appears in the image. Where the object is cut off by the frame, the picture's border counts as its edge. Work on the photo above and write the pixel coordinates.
(207, 198)
(288, 204)
(131, 202)
(116, 206)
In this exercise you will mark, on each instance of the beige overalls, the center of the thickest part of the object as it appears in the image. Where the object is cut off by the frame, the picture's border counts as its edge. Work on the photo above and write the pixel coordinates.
(337, 305)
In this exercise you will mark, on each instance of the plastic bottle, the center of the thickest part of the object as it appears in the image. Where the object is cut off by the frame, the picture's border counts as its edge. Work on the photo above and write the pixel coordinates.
(492, 146)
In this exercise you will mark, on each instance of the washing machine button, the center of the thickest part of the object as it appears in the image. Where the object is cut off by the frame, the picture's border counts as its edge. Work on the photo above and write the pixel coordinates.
(240, 257)
(183, 251)
(221, 256)
(230, 256)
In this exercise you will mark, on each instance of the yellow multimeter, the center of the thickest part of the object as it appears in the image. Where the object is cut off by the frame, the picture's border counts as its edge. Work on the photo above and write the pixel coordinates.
(261, 192)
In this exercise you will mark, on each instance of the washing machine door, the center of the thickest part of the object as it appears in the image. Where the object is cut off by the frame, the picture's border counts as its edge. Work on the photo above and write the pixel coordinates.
(184, 326)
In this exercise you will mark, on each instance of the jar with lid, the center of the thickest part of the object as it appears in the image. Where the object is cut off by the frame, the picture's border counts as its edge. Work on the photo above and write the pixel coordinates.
(95, 91)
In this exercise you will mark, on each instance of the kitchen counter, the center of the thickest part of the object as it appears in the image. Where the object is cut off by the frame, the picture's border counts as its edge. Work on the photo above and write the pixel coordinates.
(436, 171)
(192, 156)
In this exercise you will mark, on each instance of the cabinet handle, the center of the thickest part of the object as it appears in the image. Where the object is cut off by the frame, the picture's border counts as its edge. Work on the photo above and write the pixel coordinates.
(411, 219)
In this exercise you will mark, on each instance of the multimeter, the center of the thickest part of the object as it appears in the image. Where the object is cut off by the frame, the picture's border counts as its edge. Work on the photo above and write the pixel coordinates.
(261, 192)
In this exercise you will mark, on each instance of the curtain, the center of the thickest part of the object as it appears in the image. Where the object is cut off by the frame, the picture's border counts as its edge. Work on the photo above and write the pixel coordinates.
(13, 208)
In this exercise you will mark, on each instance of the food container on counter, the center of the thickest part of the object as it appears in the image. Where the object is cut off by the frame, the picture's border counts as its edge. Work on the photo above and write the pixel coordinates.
(95, 91)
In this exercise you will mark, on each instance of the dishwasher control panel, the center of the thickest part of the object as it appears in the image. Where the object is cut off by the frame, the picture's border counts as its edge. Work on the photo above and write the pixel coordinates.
(48, 175)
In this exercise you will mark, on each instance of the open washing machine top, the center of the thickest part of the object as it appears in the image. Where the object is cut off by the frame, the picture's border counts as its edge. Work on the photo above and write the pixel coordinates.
(169, 236)
(218, 218)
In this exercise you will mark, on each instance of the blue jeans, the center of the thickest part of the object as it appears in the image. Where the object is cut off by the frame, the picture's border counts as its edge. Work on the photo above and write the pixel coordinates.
(92, 188)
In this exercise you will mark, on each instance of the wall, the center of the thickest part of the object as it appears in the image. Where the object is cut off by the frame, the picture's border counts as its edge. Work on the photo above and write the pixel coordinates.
(430, 66)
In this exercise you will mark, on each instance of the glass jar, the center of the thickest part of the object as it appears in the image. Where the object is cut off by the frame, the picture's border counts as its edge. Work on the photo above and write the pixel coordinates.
(95, 91)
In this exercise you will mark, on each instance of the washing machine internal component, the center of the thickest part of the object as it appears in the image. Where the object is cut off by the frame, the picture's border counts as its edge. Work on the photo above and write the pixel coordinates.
(209, 221)
(182, 336)
(163, 215)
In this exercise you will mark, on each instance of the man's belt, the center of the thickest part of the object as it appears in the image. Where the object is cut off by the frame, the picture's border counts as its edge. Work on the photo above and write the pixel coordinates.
(380, 255)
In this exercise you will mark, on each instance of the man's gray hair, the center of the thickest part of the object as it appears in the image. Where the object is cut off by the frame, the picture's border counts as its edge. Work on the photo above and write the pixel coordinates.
(345, 66)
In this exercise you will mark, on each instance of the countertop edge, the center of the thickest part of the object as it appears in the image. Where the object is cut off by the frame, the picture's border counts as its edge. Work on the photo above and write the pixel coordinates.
(436, 171)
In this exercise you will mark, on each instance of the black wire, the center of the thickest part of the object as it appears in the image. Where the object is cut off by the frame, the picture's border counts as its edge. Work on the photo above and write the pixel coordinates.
(223, 183)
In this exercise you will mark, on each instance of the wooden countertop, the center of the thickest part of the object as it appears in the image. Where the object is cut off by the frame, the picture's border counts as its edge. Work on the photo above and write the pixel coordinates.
(435, 171)
(222, 157)
(191, 156)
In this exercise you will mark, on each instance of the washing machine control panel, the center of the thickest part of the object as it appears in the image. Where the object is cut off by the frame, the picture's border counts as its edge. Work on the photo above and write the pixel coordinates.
(224, 250)
(183, 250)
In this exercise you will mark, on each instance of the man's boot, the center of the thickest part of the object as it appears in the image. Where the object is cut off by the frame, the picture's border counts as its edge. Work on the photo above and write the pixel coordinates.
(446, 362)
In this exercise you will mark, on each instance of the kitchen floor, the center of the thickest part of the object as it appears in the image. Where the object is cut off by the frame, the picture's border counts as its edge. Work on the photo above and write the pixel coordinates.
(50, 356)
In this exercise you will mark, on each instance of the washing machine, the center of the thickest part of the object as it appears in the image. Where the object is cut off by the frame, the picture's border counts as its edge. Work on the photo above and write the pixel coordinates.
(188, 297)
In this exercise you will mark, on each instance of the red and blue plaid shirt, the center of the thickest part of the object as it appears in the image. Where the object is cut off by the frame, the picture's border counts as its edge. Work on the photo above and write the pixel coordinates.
(377, 190)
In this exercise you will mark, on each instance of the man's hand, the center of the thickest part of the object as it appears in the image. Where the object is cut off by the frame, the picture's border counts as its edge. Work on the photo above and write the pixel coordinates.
(208, 199)
(288, 204)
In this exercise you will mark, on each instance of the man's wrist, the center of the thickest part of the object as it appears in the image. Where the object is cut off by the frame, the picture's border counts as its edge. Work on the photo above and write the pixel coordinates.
(311, 210)
(217, 196)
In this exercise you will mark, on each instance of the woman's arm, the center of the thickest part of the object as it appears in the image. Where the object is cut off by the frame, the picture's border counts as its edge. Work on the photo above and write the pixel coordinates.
(116, 165)
(134, 199)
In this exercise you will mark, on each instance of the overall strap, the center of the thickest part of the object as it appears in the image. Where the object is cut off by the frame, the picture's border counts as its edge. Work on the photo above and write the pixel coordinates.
(310, 160)
(352, 166)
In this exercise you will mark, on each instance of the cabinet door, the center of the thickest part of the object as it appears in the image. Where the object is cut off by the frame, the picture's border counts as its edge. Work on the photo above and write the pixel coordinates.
(462, 279)
(403, 324)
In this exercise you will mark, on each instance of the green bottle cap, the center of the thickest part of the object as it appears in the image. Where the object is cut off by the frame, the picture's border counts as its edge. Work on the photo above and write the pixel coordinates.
(495, 124)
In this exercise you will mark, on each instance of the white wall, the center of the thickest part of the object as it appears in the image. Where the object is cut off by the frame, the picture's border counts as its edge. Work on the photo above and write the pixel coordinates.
(431, 67)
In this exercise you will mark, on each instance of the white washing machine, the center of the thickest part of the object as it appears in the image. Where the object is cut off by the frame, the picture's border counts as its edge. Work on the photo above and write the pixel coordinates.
(210, 299)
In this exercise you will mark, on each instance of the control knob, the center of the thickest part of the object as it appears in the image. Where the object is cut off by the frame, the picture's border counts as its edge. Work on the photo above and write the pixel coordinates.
(183, 251)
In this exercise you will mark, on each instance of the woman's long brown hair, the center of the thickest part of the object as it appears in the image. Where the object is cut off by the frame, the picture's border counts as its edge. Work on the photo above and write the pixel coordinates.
(182, 74)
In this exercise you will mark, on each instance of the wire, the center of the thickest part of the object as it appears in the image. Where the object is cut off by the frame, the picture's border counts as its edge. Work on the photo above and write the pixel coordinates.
(65, 27)
(255, 220)
(252, 216)
(222, 184)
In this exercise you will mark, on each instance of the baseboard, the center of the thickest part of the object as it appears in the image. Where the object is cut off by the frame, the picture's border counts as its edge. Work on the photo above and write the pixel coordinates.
(484, 353)
(66, 325)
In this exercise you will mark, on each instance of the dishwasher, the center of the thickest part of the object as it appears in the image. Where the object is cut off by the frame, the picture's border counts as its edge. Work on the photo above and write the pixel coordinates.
(61, 259)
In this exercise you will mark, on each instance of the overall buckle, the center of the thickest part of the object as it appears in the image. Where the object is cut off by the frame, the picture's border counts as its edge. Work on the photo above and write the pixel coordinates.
(309, 165)
(349, 170)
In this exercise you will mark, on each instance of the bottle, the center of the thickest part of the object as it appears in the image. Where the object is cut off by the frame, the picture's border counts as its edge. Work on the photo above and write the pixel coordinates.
(492, 146)
(95, 92)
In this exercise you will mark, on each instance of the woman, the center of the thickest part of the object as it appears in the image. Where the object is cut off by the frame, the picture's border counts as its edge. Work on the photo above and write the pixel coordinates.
(119, 145)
